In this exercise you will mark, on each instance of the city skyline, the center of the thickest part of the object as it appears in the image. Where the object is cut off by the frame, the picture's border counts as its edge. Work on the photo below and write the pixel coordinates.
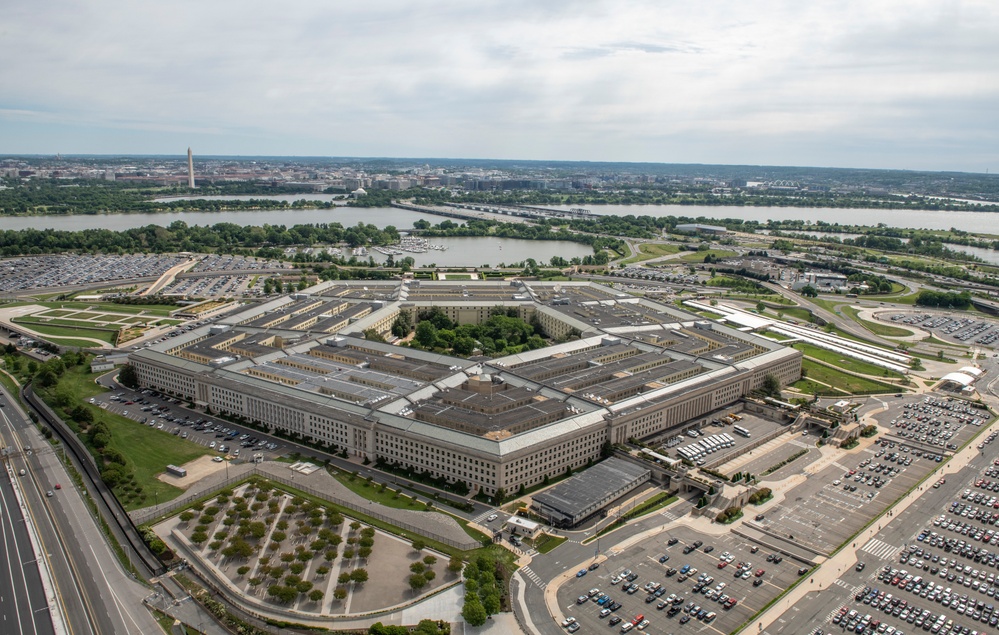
(884, 85)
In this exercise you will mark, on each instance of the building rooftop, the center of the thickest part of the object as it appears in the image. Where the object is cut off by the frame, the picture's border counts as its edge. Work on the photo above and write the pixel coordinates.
(573, 497)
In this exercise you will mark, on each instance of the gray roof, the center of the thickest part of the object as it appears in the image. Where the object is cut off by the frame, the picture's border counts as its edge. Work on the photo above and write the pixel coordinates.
(575, 496)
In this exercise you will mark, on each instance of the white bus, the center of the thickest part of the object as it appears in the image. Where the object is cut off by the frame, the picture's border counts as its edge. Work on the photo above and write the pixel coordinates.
(741, 431)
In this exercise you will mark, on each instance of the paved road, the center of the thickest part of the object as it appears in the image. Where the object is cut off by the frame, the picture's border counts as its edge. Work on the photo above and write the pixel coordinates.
(95, 594)
(23, 606)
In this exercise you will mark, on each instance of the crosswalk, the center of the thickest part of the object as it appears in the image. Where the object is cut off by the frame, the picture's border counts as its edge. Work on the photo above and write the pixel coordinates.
(880, 549)
(533, 577)
(669, 516)
(481, 518)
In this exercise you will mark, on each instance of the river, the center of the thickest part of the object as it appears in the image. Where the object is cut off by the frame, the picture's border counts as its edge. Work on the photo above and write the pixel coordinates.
(910, 219)
(540, 250)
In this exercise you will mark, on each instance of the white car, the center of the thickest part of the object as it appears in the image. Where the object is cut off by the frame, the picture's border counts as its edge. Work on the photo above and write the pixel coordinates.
(217, 459)
(567, 621)
(491, 518)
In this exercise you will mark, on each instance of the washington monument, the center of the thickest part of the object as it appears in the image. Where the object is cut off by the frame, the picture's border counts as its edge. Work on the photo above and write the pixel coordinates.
(190, 169)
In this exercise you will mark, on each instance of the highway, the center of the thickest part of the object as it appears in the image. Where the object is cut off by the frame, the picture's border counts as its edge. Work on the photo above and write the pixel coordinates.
(23, 607)
(94, 593)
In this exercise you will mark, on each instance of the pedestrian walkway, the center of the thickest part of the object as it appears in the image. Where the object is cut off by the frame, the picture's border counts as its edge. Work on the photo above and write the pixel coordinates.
(880, 549)
(533, 577)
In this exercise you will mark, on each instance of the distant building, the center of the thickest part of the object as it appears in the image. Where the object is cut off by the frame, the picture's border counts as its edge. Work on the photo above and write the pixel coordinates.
(697, 228)
(358, 193)
(190, 169)
(101, 364)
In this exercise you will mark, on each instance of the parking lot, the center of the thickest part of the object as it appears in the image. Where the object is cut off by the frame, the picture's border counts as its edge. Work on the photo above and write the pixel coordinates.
(169, 415)
(838, 500)
(733, 454)
(690, 583)
(943, 577)
(17, 274)
(948, 327)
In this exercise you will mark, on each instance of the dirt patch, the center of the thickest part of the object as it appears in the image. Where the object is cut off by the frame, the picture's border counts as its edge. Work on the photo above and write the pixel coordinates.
(197, 469)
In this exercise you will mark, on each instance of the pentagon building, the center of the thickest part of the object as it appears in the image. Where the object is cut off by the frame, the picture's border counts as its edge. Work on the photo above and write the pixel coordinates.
(628, 367)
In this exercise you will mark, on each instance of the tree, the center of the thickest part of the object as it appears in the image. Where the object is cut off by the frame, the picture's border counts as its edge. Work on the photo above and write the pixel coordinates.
(419, 545)
(454, 565)
(340, 593)
(128, 377)
(809, 291)
(473, 611)
(315, 595)
(359, 576)
(417, 582)
(491, 601)
(771, 386)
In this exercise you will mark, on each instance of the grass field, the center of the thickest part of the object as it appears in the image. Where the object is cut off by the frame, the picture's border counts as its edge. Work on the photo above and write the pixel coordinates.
(887, 330)
(698, 256)
(64, 333)
(147, 450)
(374, 493)
(647, 251)
(545, 543)
(837, 379)
(846, 363)
(161, 310)
(458, 276)
(796, 313)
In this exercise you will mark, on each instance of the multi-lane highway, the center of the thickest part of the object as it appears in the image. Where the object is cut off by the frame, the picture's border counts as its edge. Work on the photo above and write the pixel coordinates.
(23, 605)
(89, 587)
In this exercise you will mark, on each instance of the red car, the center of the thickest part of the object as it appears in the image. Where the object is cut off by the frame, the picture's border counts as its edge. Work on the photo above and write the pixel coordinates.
(759, 573)
(722, 564)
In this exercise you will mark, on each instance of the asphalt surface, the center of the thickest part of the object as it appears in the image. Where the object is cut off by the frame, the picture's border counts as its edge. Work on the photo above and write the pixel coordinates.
(23, 606)
(817, 608)
(95, 594)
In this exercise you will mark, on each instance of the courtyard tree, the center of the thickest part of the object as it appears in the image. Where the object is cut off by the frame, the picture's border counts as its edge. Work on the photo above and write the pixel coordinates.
(417, 582)
(359, 576)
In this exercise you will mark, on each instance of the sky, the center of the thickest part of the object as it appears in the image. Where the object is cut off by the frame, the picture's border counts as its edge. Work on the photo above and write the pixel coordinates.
(908, 84)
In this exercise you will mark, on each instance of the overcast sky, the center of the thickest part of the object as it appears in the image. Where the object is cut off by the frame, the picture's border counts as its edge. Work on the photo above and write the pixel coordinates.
(873, 83)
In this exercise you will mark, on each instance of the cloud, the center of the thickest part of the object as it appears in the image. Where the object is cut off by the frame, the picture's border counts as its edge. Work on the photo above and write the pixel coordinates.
(721, 82)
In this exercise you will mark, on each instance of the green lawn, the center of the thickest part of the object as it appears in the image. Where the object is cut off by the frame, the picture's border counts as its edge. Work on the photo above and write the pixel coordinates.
(841, 380)
(545, 543)
(797, 313)
(458, 276)
(698, 256)
(63, 333)
(147, 450)
(647, 251)
(846, 363)
(877, 328)
(155, 309)
(388, 497)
